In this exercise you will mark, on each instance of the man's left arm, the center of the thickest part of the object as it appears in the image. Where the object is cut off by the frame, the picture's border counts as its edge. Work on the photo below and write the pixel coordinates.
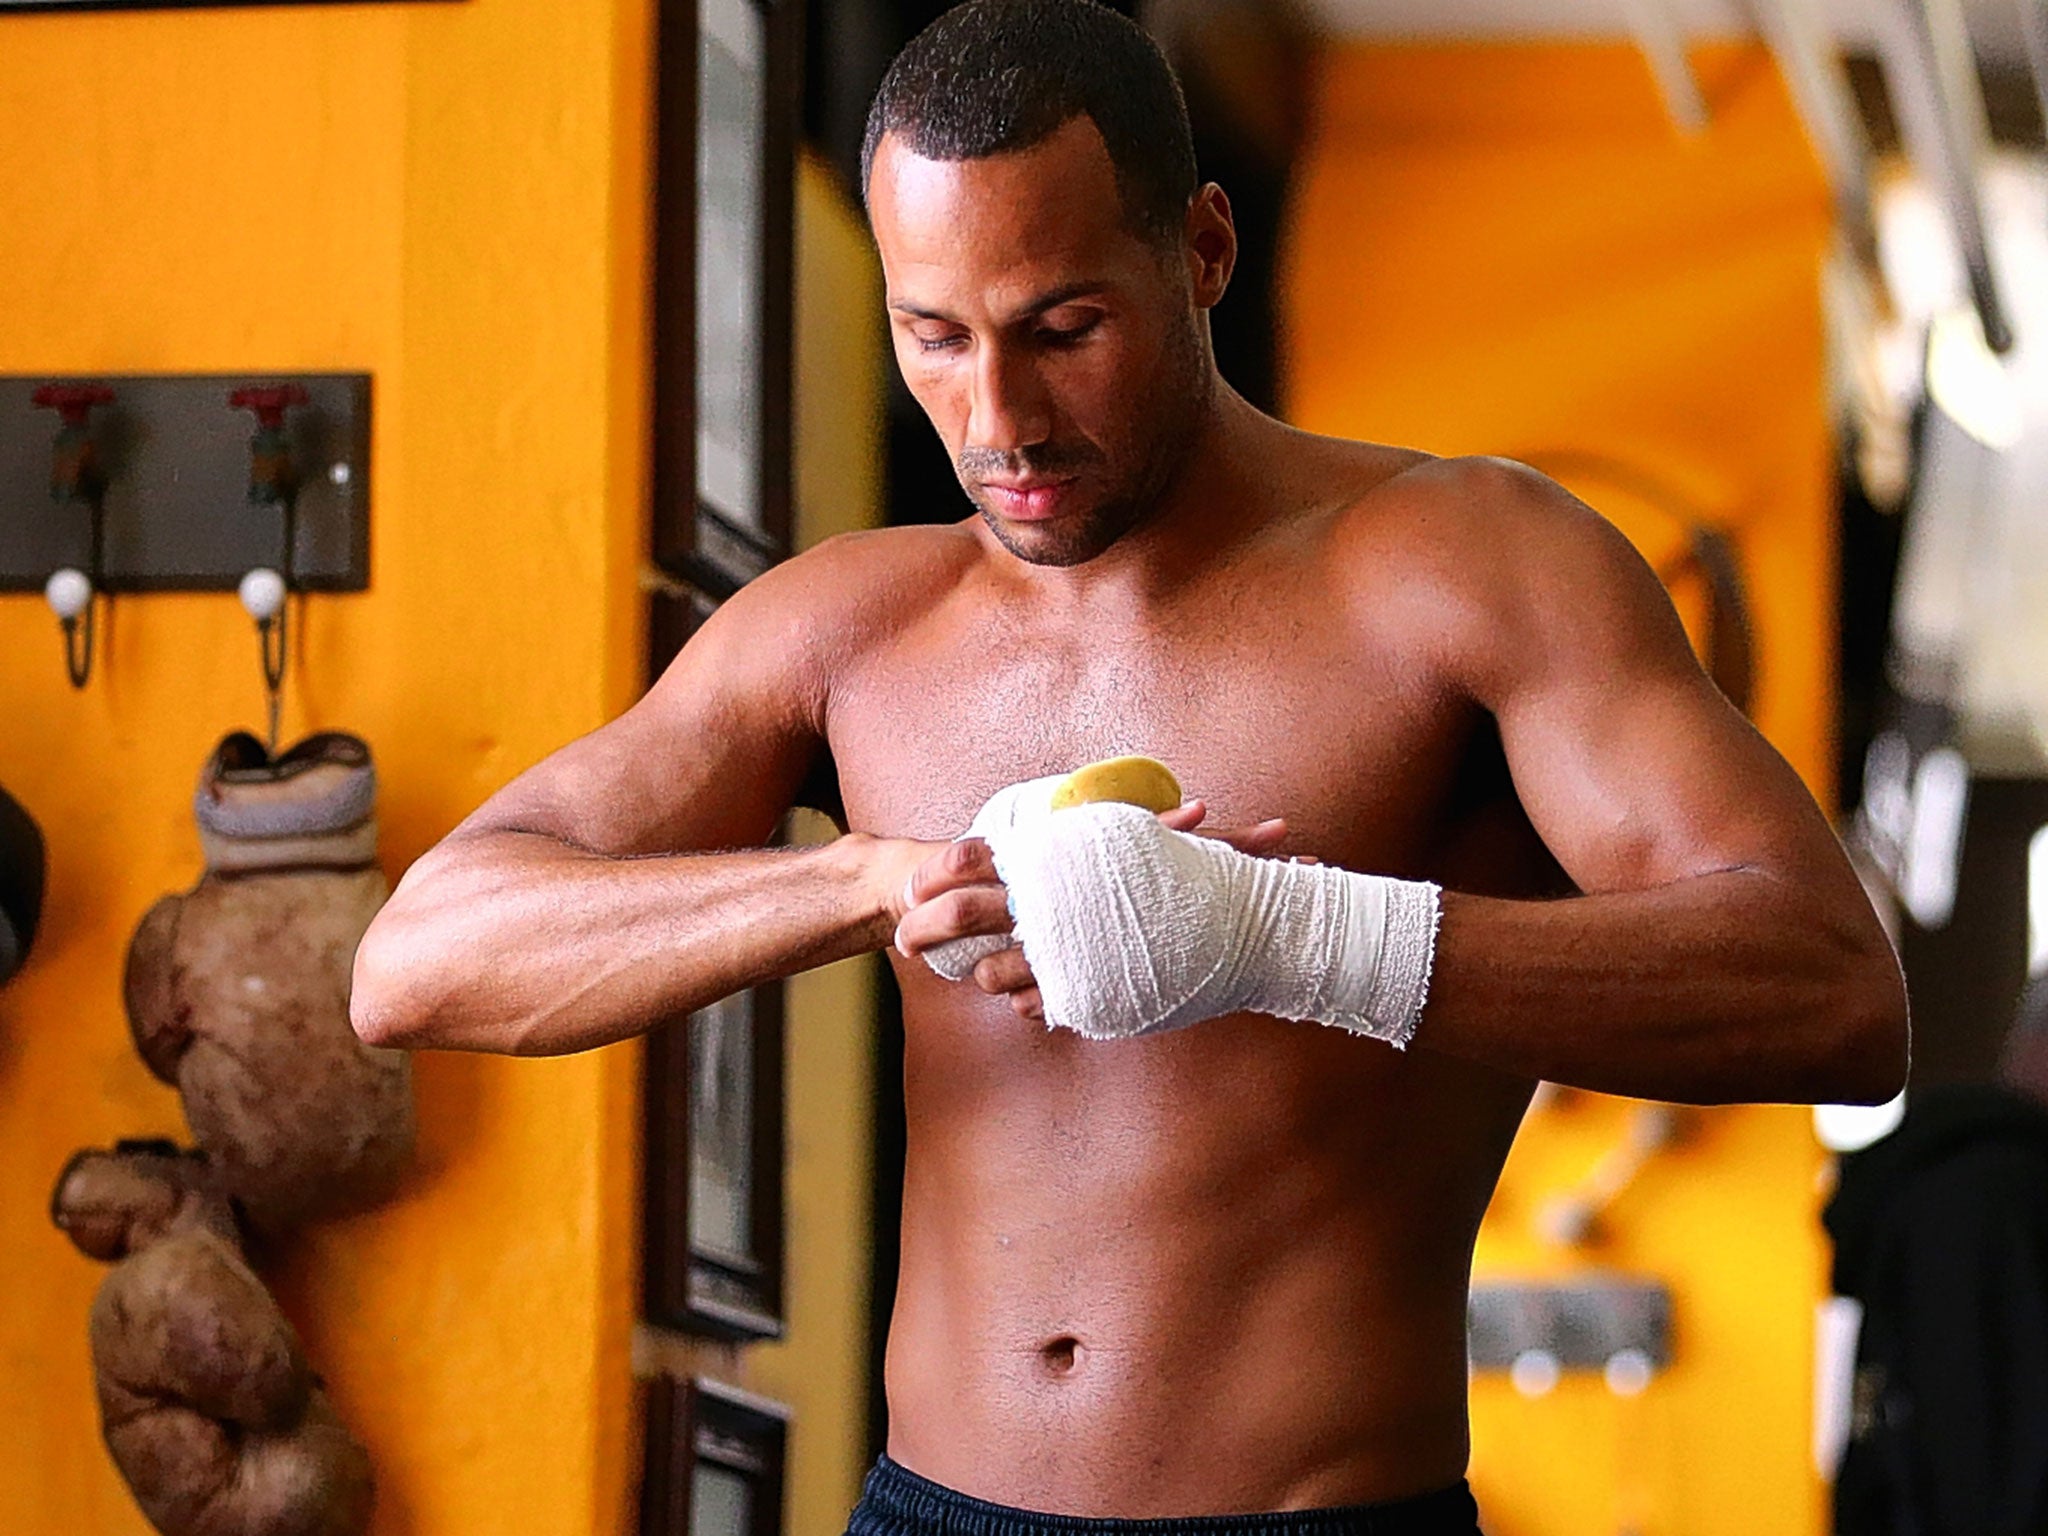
(1722, 949)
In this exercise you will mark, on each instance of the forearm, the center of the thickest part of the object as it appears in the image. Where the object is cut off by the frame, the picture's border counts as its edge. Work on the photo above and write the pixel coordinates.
(1729, 987)
(517, 942)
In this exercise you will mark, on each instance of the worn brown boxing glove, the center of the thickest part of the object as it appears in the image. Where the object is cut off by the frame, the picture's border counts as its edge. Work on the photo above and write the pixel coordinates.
(207, 1404)
(237, 990)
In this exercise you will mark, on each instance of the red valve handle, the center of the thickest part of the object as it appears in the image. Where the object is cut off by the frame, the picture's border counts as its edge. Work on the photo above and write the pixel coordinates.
(269, 402)
(72, 401)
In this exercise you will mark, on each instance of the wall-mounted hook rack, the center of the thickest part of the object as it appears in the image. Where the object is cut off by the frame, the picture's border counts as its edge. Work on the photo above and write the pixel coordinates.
(176, 459)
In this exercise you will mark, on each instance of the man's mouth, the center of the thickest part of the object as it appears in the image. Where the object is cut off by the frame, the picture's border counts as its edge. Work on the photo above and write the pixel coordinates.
(1027, 501)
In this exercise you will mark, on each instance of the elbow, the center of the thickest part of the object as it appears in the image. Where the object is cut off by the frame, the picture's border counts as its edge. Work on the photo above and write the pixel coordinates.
(1868, 1048)
(381, 1009)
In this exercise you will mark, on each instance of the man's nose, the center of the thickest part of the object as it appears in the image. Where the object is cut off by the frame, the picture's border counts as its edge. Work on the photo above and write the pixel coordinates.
(1009, 410)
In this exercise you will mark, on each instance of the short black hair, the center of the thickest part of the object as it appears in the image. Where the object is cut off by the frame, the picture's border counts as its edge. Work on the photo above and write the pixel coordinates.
(996, 75)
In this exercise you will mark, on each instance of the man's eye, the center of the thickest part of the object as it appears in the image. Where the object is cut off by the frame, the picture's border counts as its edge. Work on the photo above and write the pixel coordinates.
(936, 343)
(1066, 335)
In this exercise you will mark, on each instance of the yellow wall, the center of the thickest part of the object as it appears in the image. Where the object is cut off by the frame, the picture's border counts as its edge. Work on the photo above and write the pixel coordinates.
(451, 197)
(1508, 249)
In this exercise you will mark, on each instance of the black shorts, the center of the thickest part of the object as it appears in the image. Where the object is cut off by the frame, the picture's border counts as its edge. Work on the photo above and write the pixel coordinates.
(897, 1502)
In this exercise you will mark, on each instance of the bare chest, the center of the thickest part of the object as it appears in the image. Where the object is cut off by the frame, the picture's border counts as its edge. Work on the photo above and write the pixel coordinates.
(1267, 715)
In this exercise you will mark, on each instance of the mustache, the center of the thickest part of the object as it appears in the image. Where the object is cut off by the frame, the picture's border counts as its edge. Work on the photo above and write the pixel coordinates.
(977, 464)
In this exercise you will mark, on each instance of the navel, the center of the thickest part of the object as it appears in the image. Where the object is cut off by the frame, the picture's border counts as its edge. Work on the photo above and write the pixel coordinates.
(1060, 1356)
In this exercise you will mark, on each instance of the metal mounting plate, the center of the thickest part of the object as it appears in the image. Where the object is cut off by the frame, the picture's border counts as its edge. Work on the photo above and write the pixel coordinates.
(176, 458)
(1583, 1322)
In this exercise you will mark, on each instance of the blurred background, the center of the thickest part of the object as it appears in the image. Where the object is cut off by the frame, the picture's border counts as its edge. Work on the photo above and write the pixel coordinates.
(590, 293)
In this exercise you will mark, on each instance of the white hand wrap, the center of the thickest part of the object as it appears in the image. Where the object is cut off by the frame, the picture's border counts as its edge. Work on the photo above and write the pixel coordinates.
(1025, 803)
(1132, 928)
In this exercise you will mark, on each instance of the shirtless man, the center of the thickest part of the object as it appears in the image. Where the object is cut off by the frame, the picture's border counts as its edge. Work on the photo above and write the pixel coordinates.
(1222, 1269)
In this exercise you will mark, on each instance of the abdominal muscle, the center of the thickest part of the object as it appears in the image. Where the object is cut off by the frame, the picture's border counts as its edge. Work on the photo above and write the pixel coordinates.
(1211, 1272)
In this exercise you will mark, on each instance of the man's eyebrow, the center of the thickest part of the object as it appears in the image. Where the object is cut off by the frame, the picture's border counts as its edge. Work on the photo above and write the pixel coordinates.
(1066, 293)
(1053, 298)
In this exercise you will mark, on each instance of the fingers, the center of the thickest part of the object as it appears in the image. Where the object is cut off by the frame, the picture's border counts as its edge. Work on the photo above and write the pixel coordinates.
(1261, 838)
(1007, 973)
(1004, 971)
(953, 914)
(963, 863)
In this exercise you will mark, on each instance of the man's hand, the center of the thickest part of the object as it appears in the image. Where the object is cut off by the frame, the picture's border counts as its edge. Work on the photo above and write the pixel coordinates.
(956, 892)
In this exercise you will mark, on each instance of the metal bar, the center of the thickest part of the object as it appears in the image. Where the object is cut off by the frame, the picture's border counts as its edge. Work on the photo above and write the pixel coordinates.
(1812, 68)
(1657, 33)
(1940, 102)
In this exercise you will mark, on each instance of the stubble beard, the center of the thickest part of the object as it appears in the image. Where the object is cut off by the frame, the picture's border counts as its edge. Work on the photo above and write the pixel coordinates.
(1178, 404)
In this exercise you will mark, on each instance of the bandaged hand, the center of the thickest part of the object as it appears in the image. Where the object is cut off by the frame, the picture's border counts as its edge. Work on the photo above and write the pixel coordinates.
(1131, 928)
(1026, 803)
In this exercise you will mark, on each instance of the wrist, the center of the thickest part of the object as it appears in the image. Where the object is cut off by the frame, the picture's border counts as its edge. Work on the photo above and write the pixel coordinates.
(1406, 957)
(1386, 951)
(1338, 947)
(880, 869)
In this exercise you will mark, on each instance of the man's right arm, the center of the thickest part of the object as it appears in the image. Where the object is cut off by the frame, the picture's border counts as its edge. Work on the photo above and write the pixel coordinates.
(579, 904)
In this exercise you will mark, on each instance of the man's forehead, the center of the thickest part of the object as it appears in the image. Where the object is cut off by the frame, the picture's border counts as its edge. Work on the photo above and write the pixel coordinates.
(1049, 206)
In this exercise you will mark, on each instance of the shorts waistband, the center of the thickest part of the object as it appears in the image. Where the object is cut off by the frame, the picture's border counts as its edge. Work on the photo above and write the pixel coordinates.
(897, 1502)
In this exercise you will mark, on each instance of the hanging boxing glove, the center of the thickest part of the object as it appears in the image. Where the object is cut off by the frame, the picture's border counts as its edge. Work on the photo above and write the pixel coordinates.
(207, 1404)
(237, 990)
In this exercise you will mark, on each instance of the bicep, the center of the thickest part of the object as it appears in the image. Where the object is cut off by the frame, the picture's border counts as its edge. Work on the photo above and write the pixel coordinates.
(709, 758)
(1632, 766)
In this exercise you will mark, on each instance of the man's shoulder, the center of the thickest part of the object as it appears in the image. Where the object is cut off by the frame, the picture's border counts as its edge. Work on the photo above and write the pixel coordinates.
(916, 552)
(875, 574)
(833, 601)
(1487, 555)
(1465, 522)
(1471, 498)
(793, 629)
(1492, 529)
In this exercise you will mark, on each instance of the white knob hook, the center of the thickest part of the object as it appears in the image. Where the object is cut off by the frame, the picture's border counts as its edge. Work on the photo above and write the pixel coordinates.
(1629, 1372)
(69, 592)
(263, 593)
(1535, 1372)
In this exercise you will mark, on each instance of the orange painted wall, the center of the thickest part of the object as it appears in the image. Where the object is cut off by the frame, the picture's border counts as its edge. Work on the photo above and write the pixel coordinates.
(1509, 249)
(450, 196)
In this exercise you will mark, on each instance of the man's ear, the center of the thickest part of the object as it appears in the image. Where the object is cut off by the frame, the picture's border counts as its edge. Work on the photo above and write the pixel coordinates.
(1211, 244)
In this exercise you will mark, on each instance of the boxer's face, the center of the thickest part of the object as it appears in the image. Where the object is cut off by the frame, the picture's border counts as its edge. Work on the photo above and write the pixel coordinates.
(1063, 358)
